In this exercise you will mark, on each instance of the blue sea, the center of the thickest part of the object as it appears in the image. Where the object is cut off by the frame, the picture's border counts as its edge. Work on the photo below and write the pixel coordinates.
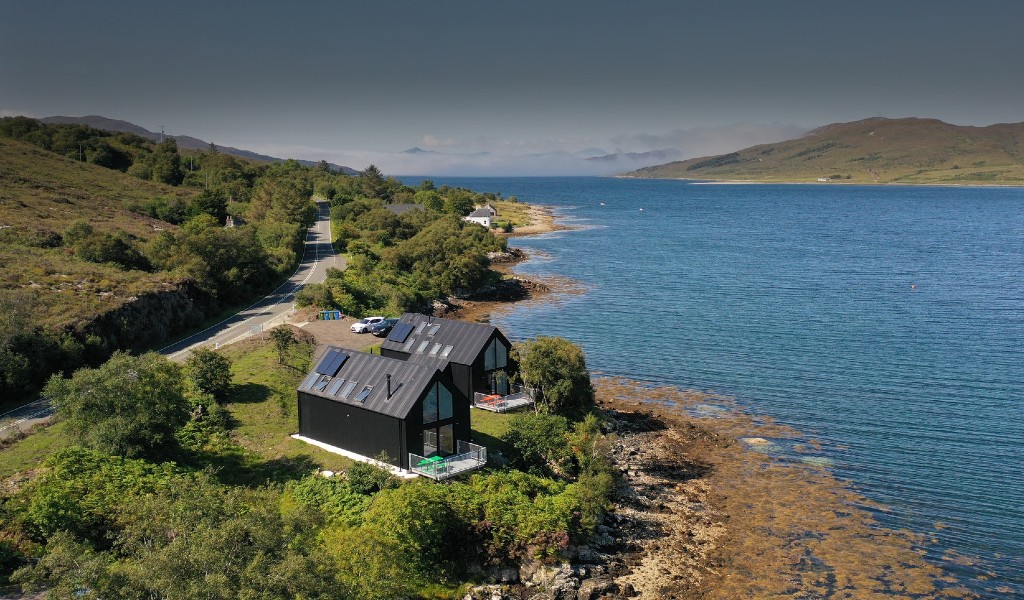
(886, 322)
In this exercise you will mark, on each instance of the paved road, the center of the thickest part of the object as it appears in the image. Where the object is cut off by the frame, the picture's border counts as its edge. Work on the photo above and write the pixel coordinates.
(24, 417)
(317, 257)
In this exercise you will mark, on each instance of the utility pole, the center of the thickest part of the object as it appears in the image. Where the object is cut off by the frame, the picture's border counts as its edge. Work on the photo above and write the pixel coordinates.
(79, 151)
(161, 134)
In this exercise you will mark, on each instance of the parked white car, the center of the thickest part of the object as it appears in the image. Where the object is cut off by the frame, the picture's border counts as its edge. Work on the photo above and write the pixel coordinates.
(363, 325)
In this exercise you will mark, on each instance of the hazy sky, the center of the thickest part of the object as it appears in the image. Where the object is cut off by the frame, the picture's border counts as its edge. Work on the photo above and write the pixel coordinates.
(509, 87)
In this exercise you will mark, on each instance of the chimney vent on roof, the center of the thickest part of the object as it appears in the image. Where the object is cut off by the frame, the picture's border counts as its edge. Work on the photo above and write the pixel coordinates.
(389, 385)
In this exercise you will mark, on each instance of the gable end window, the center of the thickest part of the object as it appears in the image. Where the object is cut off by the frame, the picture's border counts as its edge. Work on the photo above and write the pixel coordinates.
(438, 404)
(495, 356)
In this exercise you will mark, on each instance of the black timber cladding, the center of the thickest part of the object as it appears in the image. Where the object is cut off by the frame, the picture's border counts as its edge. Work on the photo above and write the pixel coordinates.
(352, 428)
(466, 339)
(408, 381)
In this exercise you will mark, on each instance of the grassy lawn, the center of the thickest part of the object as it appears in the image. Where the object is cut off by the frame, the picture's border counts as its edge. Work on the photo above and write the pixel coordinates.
(516, 213)
(488, 427)
(32, 450)
(263, 407)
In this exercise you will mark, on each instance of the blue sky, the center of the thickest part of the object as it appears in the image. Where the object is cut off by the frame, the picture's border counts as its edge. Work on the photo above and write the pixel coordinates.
(513, 87)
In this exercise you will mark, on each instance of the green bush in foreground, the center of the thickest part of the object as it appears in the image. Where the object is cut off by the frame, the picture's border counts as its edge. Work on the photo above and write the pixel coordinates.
(209, 372)
(130, 406)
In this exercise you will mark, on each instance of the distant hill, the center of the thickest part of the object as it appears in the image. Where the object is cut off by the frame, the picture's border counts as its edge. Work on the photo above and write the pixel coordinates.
(876, 150)
(184, 141)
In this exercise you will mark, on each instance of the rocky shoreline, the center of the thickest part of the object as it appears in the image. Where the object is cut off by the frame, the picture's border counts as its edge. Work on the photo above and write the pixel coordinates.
(700, 513)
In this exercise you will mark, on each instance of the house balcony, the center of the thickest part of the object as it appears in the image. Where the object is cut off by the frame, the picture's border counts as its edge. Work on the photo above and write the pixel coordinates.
(520, 397)
(469, 457)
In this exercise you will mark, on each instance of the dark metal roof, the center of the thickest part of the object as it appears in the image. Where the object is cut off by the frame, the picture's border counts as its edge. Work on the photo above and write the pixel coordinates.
(401, 209)
(466, 339)
(408, 382)
(481, 212)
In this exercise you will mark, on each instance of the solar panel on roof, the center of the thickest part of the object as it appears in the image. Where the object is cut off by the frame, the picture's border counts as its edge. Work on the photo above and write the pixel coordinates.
(335, 365)
(400, 332)
(321, 367)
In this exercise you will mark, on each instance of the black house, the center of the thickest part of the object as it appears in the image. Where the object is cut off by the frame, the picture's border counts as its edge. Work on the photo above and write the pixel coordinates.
(367, 404)
(474, 355)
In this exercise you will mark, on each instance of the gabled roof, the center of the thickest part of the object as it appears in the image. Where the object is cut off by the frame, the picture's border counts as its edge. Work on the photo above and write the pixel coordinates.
(401, 209)
(480, 212)
(408, 380)
(466, 340)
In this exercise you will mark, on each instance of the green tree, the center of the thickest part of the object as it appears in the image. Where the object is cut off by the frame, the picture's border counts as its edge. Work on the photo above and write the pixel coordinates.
(459, 202)
(283, 339)
(130, 406)
(557, 370)
(166, 167)
(209, 202)
(209, 372)
(373, 184)
(430, 199)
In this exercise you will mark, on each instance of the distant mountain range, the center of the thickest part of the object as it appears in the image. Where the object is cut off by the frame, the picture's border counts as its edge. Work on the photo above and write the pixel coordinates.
(184, 141)
(876, 150)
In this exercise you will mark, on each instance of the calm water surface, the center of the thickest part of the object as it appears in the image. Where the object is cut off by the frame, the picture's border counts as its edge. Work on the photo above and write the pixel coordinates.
(887, 322)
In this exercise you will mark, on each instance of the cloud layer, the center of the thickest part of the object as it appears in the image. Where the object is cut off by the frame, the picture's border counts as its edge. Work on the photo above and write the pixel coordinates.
(483, 156)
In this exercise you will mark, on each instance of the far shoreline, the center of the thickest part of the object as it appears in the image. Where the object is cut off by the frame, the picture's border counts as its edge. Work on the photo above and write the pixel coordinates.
(702, 181)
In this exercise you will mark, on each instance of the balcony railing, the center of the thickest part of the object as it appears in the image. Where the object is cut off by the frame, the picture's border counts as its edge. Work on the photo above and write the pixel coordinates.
(520, 396)
(469, 457)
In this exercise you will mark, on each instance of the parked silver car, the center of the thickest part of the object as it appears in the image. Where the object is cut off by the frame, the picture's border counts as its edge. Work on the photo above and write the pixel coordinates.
(363, 325)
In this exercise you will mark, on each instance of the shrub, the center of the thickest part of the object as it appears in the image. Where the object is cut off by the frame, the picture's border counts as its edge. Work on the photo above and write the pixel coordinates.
(538, 443)
(333, 497)
(367, 479)
(209, 372)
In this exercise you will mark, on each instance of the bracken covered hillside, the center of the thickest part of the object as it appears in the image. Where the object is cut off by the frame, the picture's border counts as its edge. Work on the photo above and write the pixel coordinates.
(41, 195)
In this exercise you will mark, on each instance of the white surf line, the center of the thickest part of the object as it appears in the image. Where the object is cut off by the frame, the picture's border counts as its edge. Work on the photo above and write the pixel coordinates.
(316, 250)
